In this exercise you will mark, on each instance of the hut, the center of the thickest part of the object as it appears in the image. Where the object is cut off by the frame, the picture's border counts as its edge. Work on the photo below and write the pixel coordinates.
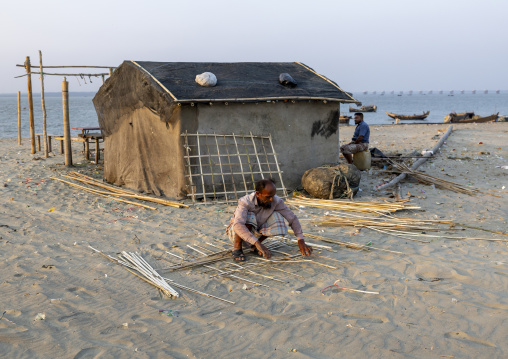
(145, 107)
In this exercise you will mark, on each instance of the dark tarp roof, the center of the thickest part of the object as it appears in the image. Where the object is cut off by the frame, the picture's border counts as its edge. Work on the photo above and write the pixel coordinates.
(242, 81)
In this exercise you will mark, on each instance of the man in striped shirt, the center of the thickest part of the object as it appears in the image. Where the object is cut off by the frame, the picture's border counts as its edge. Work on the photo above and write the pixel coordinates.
(260, 215)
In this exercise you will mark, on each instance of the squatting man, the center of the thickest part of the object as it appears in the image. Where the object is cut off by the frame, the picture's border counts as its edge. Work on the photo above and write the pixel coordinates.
(360, 140)
(260, 215)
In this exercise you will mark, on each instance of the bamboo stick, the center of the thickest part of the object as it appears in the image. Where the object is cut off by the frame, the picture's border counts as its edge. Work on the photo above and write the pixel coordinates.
(269, 98)
(230, 168)
(419, 162)
(211, 167)
(201, 170)
(30, 105)
(66, 123)
(44, 115)
(103, 194)
(122, 193)
(241, 164)
(61, 67)
(223, 135)
(19, 118)
(248, 161)
(187, 148)
(266, 156)
(278, 168)
(220, 166)
(52, 74)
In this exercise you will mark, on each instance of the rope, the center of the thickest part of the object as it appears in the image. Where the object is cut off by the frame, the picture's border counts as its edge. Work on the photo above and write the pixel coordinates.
(349, 192)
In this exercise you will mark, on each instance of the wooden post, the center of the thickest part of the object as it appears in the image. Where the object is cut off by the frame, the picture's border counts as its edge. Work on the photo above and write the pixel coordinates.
(67, 127)
(19, 118)
(110, 71)
(97, 152)
(30, 104)
(44, 130)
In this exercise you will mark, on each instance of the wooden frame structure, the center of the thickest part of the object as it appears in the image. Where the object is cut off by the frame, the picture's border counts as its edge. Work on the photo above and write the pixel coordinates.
(65, 100)
(227, 166)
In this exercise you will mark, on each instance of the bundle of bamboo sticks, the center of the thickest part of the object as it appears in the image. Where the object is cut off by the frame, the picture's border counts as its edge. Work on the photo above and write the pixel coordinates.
(438, 182)
(353, 206)
(407, 228)
(113, 192)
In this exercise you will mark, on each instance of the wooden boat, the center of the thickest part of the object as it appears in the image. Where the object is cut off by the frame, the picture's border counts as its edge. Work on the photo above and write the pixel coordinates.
(473, 119)
(368, 108)
(408, 117)
(344, 119)
(458, 117)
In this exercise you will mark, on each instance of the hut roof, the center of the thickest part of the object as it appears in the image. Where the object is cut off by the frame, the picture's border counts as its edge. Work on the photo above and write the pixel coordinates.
(242, 81)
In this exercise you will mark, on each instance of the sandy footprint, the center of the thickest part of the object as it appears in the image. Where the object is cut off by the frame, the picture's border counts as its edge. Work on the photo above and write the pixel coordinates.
(94, 352)
(81, 292)
(201, 326)
(468, 338)
(367, 318)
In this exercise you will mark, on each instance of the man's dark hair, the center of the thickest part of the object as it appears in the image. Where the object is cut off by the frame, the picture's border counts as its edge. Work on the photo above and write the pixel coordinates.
(261, 184)
(359, 114)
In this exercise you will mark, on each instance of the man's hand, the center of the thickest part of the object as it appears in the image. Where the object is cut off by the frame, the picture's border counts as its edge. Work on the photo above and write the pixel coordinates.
(263, 250)
(304, 248)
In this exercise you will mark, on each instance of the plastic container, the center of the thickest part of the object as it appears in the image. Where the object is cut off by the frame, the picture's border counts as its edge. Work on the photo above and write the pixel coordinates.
(362, 160)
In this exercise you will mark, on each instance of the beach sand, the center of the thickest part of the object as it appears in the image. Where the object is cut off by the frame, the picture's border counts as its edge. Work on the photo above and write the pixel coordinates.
(443, 299)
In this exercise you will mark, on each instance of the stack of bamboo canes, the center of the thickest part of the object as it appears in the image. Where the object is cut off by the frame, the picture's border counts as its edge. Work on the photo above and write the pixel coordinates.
(408, 228)
(438, 182)
(114, 192)
(353, 206)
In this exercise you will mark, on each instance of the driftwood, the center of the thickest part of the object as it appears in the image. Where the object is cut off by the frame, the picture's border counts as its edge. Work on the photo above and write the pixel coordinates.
(419, 162)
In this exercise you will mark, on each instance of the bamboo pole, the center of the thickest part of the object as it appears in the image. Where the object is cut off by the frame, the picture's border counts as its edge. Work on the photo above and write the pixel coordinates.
(19, 118)
(187, 148)
(230, 167)
(419, 162)
(103, 194)
(220, 166)
(266, 156)
(256, 152)
(201, 171)
(127, 194)
(66, 123)
(211, 167)
(278, 167)
(248, 161)
(44, 115)
(30, 105)
(240, 160)
(52, 74)
(61, 67)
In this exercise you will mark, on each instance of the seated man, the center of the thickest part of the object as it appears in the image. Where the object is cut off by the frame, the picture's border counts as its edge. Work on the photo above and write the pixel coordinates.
(360, 141)
(260, 215)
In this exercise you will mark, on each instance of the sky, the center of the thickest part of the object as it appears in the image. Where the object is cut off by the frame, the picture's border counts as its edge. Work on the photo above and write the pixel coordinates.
(363, 45)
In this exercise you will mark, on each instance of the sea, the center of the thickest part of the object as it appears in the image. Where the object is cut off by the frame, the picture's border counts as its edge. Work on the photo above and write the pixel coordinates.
(82, 112)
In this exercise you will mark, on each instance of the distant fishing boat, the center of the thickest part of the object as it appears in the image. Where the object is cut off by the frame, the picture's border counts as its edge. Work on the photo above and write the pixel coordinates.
(408, 117)
(468, 117)
(344, 119)
(368, 108)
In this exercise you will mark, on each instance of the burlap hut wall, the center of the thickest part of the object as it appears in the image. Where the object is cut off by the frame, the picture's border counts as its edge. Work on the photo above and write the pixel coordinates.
(305, 134)
(145, 155)
(142, 145)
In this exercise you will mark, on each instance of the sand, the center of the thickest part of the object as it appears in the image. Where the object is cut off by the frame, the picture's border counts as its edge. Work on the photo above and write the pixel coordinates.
(443, 299)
